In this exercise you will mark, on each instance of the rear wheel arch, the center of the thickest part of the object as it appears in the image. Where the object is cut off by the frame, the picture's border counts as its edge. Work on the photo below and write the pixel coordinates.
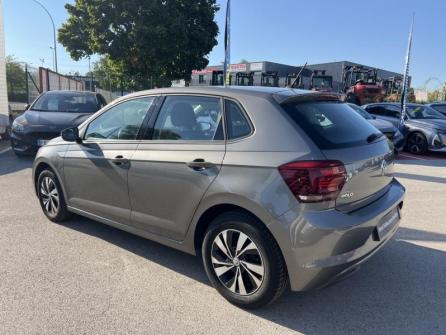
(211, 213)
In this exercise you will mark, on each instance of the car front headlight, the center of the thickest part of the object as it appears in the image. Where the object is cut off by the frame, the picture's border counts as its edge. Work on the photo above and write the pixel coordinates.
(442, 137)
(19, 125)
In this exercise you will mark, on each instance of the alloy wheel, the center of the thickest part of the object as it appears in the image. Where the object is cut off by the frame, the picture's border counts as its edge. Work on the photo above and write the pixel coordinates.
(49, 195)
(416, 143)
(237, 262)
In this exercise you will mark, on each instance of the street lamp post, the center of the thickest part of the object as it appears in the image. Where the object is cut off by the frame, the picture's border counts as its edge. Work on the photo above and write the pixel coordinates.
(54, 63)
(54, 31)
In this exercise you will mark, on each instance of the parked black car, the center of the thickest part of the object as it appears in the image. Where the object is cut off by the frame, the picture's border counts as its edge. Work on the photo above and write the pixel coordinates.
(439, 106)
(48, 115)
(425, 128)
(386, 127)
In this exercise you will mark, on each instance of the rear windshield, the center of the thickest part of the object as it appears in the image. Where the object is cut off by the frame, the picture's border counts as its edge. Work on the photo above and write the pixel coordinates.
(69, 102)
(330, 125)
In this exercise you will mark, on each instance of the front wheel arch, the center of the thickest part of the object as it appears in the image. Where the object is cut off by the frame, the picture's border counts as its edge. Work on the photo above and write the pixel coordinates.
(42, 165)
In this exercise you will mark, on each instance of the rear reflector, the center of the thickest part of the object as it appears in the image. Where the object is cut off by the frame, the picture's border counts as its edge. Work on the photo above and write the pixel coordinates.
(314, 181)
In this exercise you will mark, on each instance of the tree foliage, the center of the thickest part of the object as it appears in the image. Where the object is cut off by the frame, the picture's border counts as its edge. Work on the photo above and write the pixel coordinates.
(15, 76)
(162, 39)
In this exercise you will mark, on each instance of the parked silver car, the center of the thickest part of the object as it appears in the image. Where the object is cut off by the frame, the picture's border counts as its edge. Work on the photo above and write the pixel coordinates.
(272, 187)
(424, 127)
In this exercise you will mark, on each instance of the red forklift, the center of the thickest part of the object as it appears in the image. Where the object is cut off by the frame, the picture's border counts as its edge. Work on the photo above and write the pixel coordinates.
(360, 85)
(321, 82)
(393, 88)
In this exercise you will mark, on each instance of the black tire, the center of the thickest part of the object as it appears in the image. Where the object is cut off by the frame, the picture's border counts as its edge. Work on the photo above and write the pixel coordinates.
(275, 278)
(20, 154)
(58, 212)
(417, 143)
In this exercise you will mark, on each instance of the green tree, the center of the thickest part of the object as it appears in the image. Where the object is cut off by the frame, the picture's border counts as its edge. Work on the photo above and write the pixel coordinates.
(111, 75)
(15, 79)
(160, 40)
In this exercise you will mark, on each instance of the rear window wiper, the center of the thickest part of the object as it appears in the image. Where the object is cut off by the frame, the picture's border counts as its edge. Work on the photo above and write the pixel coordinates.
(373, 137)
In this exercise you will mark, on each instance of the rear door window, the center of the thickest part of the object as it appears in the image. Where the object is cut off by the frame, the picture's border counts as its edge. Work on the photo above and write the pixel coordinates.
(237, 123)
(393, 112)
(330, 125)
(376, 110)
(189, 118)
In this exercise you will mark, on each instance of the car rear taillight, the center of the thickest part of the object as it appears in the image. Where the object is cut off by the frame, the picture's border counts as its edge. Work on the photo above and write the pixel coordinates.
(314, 181)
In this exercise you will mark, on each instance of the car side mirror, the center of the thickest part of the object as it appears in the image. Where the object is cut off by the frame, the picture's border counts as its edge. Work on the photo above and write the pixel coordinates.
(71, 135)
(27, 107)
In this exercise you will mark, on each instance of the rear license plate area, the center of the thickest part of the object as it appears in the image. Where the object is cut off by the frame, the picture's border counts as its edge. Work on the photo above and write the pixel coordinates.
(387, 223)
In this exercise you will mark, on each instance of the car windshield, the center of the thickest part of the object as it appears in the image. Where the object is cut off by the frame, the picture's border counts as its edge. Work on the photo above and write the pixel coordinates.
(361, 111)
(440, 108)
(66, 102)
(423, 112)
(322, 81)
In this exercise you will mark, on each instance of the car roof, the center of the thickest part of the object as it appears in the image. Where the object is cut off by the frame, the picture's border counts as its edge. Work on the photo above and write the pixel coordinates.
(437, 103)
(280, 94)
(70, 92)
(391, 104)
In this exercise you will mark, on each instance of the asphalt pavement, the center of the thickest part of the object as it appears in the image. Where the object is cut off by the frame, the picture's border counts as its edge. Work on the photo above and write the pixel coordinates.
(83, 277)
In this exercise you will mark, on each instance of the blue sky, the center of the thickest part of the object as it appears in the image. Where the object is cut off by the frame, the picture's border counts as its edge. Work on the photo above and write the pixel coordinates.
(287, 31)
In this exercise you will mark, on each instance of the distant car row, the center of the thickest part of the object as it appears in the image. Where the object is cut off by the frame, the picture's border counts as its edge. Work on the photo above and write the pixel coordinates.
(48, 115)
(424, 129)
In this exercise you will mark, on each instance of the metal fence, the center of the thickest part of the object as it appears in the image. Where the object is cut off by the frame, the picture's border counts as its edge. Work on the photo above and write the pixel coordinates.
(50, 80)
(26, 84)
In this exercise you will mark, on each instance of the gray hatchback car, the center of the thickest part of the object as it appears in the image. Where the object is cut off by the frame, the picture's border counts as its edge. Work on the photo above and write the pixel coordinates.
(272, 187)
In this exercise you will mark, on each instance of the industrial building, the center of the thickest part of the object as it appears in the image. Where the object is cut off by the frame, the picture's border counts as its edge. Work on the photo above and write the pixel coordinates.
(249, 74)
(275, 74)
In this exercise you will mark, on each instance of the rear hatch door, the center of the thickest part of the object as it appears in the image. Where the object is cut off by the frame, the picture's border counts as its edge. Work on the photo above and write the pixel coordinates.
(343, 135)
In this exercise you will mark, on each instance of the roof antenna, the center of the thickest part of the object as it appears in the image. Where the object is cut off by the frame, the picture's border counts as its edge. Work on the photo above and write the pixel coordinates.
(226, 70)
(296, 80)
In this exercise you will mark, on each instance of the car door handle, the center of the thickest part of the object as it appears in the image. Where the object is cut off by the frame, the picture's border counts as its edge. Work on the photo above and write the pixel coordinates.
(199, 164)
(120, 160)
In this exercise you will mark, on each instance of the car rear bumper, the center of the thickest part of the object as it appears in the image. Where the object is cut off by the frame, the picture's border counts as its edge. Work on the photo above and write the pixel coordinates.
(321, 247)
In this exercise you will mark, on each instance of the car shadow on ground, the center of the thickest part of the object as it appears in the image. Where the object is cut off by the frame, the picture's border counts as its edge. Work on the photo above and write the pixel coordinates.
(419, 177)
(400, 290)
(10, 163)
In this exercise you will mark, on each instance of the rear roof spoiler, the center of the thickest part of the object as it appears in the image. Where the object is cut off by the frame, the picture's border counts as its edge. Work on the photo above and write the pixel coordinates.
(287, 96)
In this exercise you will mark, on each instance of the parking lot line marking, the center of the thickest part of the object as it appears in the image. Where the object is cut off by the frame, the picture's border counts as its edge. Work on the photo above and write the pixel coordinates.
(5, 150)
(412, 157)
